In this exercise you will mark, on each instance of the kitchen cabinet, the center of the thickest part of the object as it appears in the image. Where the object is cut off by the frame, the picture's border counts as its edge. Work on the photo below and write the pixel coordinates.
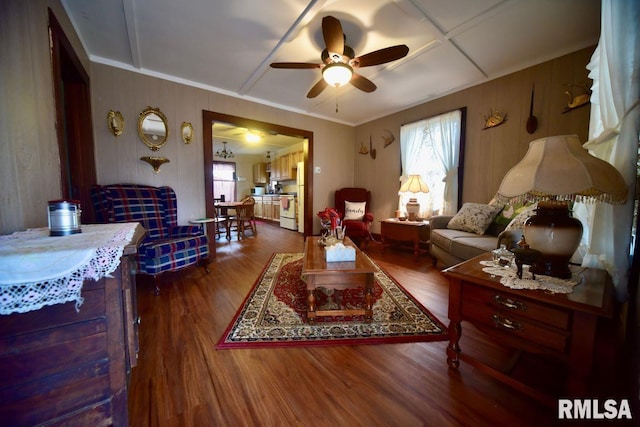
(260, 173)
(296, 157)
(257, 208)
(267, 208)
(285, 166)
(276, 208)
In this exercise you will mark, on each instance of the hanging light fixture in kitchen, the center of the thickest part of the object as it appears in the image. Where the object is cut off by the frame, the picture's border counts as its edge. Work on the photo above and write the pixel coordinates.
(224, 154)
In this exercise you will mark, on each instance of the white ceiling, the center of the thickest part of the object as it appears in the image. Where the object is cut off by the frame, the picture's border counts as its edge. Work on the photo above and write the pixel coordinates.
(226, 46)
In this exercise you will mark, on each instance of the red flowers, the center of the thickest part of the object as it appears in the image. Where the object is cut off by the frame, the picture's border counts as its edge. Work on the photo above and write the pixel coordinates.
(329, 215)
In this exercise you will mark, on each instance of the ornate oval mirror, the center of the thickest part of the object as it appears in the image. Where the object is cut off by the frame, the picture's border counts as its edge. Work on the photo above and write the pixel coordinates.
(153, 128)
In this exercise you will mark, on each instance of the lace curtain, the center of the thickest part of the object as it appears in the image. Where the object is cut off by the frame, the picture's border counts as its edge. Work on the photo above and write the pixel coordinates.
(431, 148)
(613, 131)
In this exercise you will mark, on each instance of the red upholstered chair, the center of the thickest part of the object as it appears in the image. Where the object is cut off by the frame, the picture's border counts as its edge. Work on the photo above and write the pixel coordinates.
(355, 228)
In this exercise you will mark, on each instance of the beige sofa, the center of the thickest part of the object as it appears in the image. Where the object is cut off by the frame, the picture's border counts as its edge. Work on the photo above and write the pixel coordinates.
(450, 246)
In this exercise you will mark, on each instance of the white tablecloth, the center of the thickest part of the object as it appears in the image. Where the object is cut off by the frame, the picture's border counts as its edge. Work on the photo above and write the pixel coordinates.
(37, 270)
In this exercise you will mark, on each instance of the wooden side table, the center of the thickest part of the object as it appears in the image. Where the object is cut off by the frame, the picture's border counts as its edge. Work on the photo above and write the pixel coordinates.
(561, 325)
(393, 230)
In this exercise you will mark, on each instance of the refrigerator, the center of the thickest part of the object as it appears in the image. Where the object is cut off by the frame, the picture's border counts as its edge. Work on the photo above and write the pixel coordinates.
(300, 183)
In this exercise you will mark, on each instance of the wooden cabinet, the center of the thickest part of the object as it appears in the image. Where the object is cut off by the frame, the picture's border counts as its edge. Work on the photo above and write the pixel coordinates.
(275, 169)
(257, 208)
(267, 208)
(297, 157)
(276, 208)
(285, 166)
(65, 366)
(534, 321)
(260, 173)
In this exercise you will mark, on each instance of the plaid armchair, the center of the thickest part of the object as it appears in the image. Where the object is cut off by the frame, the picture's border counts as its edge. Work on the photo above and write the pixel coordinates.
(358, 228)
(167, 245)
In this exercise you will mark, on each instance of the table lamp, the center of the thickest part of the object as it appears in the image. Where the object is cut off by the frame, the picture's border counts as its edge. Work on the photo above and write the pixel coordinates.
(414, 184)
(555, 171)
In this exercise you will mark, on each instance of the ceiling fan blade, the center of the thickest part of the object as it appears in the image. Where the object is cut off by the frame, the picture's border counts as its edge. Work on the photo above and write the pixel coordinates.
(362, 83)
(317, 88)
(333, 36)
(294, 65)
(381, 56)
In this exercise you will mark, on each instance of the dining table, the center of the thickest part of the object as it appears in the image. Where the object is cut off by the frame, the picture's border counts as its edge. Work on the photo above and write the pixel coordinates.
(222, 216)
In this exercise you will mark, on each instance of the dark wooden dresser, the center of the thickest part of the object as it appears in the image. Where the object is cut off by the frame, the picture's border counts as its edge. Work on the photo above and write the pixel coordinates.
(563, 326)
(62, 366)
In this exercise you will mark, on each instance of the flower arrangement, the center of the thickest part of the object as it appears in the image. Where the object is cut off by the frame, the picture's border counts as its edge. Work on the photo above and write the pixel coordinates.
(329, 216)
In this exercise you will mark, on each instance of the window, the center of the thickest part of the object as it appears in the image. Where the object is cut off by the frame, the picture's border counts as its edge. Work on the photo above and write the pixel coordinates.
(224, 182)
(433, 148)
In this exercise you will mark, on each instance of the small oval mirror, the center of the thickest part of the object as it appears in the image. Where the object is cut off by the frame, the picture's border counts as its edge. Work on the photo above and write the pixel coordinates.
(153, 128)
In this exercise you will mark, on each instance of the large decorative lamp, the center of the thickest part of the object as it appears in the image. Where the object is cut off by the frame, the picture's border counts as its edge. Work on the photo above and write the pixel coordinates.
(413, 184)
(555, 171)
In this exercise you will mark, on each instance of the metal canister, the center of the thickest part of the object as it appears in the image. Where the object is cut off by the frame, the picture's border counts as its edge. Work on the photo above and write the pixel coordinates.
(64, 217)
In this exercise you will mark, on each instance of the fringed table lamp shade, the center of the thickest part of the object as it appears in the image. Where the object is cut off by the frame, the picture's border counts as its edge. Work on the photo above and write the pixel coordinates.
(557, 170)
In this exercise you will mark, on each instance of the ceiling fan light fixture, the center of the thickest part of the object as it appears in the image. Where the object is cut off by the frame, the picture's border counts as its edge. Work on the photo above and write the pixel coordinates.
(253, 137)
(337, 74)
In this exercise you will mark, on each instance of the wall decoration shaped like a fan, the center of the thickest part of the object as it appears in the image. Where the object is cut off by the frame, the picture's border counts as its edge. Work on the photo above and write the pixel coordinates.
(339, 60)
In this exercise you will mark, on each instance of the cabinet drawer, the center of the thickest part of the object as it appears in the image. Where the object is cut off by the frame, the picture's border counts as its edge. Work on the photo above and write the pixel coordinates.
(516, 305)
(519, 327)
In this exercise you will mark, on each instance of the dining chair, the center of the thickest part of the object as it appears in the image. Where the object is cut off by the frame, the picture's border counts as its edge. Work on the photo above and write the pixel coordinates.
(245, 218)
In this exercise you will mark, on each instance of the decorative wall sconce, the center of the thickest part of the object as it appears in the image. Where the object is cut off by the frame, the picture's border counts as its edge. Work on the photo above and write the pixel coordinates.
(187, 132)
(155, 162)
(115, 122)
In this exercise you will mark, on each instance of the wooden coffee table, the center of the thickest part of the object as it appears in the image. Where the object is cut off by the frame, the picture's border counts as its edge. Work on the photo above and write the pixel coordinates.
(317, 272)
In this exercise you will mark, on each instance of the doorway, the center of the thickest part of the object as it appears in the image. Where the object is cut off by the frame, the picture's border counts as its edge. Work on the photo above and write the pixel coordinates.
(209, 118)
(74, 124)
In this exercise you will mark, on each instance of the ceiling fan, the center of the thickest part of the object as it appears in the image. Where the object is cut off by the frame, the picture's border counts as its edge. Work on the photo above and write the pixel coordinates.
(339, 60)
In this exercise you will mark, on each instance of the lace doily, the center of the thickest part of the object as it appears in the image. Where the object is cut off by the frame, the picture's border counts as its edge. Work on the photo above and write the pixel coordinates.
(509, 278)
(37, 270)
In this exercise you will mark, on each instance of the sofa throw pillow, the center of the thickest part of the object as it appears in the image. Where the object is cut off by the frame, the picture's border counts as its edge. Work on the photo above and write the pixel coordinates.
(517, 223)
(354, 210)
(474, 217)
(511, 210)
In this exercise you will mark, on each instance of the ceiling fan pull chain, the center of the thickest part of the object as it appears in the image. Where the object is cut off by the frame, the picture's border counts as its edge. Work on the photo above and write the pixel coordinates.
(336, 99)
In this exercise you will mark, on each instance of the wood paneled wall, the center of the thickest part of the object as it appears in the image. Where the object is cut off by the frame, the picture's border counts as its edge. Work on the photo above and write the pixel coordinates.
(29, 155)
(489, 153)
(118, 159)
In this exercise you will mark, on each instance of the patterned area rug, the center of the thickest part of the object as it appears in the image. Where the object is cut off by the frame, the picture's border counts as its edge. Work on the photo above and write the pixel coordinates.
(274, 313)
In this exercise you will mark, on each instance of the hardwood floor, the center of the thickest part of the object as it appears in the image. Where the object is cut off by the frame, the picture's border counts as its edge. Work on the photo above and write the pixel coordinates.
(181, 380)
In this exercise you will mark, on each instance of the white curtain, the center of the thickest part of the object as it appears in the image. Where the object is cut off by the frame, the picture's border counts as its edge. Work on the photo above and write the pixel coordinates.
(431, 148)
(412, 160)
(613, 131)
(448, 152)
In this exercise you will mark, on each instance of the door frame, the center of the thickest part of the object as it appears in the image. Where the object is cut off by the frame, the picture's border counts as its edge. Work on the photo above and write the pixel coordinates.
(74, 127)
(211, 117)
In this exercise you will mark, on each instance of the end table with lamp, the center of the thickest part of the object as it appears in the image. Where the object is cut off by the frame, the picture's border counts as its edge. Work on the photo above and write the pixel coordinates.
(394, 230)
